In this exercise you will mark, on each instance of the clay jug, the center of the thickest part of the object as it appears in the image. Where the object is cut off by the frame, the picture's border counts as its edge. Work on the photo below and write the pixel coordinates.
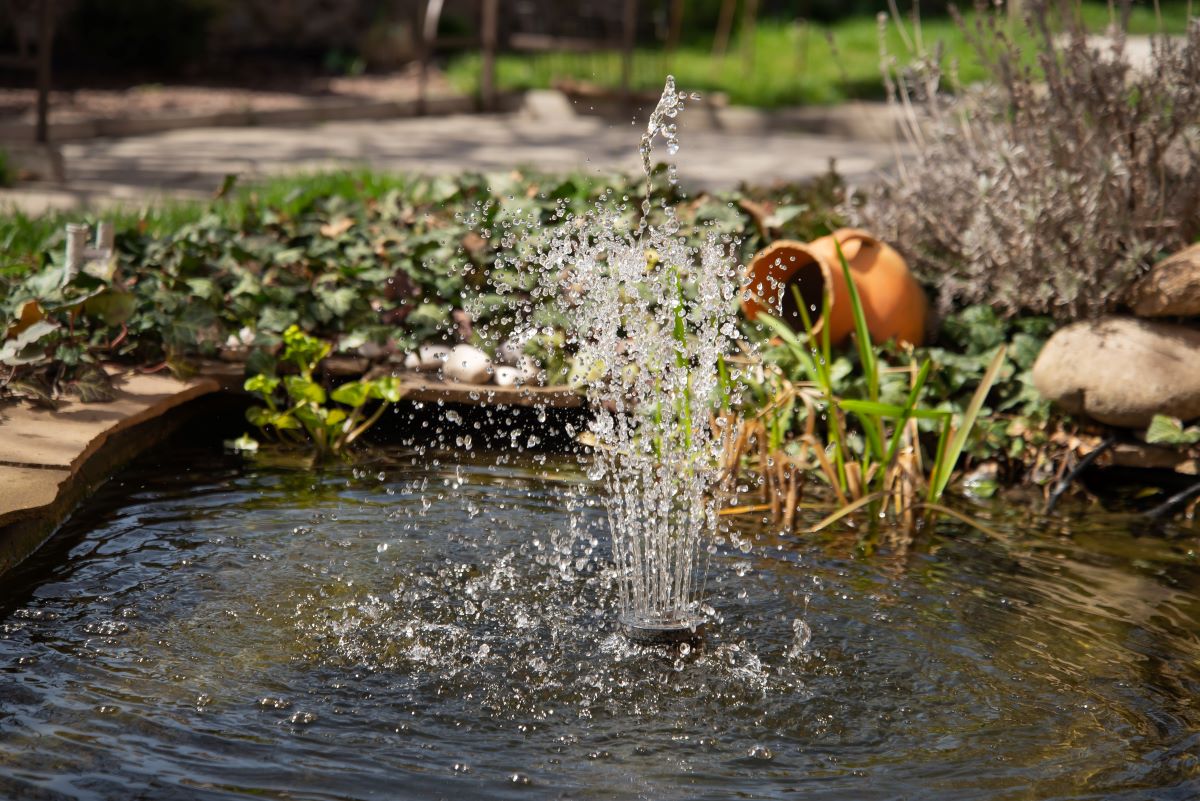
(893, 302)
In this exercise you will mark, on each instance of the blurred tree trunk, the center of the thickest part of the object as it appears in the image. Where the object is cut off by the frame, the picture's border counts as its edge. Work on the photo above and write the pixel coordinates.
(724, 27)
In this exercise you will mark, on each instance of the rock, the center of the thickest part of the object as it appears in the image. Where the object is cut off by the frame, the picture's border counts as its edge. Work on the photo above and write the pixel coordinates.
(412, 361)
(509, 376)
(432, 357)
(1171, 288)
(531, 370)
(372, 351)
(468, 364)
(509, 352)
(1122, 371)
(534, 377)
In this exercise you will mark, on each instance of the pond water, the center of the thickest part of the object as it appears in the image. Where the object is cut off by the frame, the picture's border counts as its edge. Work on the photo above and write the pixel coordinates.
(443, 626)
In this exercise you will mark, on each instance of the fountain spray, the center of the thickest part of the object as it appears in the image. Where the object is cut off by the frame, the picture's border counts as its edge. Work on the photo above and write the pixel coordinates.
(652, 317)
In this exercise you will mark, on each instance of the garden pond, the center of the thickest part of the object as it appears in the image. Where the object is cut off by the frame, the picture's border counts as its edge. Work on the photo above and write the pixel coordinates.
(435, 624)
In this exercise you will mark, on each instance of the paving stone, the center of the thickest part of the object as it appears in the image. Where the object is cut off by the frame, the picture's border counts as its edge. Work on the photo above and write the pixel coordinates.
(28, 487)
(193, 162)
(64, 436)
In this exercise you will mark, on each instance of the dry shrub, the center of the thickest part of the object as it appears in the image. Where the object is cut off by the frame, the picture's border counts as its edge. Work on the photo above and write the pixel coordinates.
(1049, 189)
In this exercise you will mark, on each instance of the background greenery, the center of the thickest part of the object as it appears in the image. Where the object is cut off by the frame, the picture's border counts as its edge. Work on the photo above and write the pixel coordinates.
(786, 63)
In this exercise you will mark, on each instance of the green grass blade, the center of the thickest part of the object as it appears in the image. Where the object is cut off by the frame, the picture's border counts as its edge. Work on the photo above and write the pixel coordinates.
(793, 344)
(891, 411)
(910, 410)
(871, 427)
(946, 462)
(848, 509)
(724, 385)
(862, 335)
(939, 456)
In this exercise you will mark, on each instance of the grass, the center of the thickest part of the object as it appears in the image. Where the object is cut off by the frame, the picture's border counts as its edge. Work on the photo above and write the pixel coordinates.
(793, 63)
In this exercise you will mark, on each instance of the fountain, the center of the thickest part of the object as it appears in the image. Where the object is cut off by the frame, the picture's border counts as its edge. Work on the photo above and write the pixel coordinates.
(650, 319)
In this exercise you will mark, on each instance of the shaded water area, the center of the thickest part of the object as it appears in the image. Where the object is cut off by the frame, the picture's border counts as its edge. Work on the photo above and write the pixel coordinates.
(437, 626)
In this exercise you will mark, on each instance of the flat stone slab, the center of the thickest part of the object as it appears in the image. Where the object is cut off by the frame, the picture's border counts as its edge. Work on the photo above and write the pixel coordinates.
(28, 487)
(32, 437)
(43, 450)
(418, 387)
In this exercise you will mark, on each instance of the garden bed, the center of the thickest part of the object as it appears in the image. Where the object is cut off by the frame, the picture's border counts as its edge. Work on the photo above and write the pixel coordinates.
(377, 265)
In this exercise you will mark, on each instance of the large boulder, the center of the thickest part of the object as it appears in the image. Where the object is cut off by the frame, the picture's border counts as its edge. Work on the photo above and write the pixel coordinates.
(1171, 288)
(1122, 371)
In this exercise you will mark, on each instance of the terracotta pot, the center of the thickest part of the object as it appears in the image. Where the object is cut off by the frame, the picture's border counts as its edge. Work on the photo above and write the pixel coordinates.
(893, 302)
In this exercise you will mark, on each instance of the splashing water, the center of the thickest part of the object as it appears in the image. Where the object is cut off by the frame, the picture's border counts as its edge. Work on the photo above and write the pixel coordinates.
(650, 318)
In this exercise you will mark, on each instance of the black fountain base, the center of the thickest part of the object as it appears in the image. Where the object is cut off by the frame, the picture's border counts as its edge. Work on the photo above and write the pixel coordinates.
(659, 631)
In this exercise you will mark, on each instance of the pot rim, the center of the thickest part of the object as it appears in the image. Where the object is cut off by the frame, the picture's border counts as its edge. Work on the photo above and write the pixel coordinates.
(766, 270)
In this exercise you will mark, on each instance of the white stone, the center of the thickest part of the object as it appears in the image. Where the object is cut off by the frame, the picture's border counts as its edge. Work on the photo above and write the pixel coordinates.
(532, 372)
(432, 357)
(510, 352)
(412, 361)
(468, 364)
(509, 376)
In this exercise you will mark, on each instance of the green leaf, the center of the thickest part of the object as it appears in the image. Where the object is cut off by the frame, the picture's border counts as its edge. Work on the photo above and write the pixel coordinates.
(303, 390)
(785, 214)
(112, 307)
(388, 388)
(13, 357)
(303, 350)
(284, 421)
(196, 328)
(69, 352)
(258, 416)
(34, 388)
(1024, 350)
(33, 333)
(354, 393)
(243, 444)
(264, 385)
(891, 410)
(202, 287)
(978, 328)
(277, 319)
(289, 256)
(313, 418)
(1165, 430)
(93, 384)
(339, 301)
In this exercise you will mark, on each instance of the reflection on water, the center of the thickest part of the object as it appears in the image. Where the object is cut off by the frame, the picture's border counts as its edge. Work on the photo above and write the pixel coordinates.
(413, 630)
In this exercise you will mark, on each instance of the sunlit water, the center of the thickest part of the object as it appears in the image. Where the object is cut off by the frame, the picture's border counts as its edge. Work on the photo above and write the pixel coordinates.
(421, 630)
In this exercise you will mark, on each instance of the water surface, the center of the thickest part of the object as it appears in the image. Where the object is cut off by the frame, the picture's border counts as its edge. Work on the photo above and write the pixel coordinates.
(442, 626)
